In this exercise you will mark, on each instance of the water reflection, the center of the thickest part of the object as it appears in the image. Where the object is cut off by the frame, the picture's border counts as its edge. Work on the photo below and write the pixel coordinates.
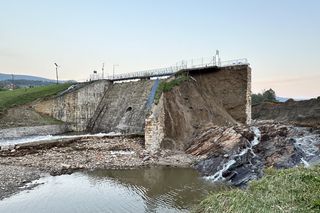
(138, 190)
(176, 187)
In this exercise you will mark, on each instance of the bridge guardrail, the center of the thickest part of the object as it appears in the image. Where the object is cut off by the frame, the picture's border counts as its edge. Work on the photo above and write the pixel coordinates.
(167, 71)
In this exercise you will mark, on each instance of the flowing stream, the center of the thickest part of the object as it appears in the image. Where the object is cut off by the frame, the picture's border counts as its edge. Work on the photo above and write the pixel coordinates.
(309, 146)
(30, 139)
(218, 176)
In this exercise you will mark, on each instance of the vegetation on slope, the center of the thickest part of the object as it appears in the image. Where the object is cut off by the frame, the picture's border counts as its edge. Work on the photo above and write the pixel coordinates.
(19, 97)
(289, 190)
(166, 86)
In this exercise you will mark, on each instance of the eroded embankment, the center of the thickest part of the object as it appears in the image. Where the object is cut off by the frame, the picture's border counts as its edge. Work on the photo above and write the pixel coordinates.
(303, 113)
(212, 96)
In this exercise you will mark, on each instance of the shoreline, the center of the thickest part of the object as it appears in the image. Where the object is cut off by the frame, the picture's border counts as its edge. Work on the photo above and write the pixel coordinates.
(22, 165)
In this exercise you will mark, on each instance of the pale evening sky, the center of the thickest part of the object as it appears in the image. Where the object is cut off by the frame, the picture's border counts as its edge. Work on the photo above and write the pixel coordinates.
(280, 38)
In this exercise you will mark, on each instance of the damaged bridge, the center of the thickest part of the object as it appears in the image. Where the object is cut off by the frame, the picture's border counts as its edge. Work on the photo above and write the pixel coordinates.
(211, 95)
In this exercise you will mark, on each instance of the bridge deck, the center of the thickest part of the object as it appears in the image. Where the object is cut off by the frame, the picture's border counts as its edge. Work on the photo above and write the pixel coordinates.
(168, 71)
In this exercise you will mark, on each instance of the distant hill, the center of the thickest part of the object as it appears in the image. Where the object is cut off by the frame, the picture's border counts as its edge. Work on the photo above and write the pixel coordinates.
(4, 77)
(282, 99)
(21, 81)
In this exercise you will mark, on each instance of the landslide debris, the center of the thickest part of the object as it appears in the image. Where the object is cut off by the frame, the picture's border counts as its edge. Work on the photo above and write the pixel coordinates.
(302, 113)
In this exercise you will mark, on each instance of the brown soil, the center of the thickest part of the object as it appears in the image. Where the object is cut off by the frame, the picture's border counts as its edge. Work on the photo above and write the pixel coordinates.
(216, 97)
(302, 113)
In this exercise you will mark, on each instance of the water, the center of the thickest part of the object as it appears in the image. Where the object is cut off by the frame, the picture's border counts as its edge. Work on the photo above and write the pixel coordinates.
(218, 176)
(30, 139)
(139, 190)
(309, 146)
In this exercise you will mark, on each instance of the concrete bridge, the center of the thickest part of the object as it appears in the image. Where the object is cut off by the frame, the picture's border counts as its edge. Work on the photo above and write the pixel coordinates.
(218, 94)
(168, 71)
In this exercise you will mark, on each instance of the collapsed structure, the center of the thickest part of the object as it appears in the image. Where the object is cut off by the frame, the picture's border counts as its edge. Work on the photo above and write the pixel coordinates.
(168, 111)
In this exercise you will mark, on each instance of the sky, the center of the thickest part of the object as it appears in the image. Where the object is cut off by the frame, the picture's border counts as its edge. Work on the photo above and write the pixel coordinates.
(280, 38)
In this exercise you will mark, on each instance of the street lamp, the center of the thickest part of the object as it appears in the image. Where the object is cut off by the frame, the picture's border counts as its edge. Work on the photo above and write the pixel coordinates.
(114, 67)
(57, 72)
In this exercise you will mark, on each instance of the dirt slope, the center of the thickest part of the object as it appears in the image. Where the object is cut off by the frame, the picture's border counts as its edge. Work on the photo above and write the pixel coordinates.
(210, 96)
(304, 113)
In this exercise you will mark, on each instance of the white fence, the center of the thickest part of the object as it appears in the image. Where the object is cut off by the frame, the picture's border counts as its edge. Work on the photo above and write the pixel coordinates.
(167, 71)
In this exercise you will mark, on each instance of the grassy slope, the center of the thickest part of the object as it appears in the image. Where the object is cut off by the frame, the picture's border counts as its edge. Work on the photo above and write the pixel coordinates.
(166, 86)
(290, 190)
(19, 97)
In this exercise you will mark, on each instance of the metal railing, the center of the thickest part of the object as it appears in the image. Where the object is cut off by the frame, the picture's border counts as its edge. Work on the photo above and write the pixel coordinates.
(167, 71)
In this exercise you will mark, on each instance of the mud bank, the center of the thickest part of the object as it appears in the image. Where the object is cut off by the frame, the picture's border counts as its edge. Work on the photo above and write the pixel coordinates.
(26, 163)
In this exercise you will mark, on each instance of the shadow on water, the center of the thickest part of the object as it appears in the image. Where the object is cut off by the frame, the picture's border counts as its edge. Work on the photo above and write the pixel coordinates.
(137, 190)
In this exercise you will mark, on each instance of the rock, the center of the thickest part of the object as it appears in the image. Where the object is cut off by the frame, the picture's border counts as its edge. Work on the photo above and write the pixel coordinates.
(218, 140)
(7, 147)
(280, 146)
(65, 166)
(146, 158)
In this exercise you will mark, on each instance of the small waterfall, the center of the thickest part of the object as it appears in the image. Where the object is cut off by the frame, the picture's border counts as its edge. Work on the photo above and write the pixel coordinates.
(305, 163)
(218, 176)
(308, 144)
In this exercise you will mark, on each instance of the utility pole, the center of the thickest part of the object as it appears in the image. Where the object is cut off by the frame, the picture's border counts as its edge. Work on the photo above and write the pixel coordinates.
(12, 81)
(113, 69)
(102, 70)
(57, 72)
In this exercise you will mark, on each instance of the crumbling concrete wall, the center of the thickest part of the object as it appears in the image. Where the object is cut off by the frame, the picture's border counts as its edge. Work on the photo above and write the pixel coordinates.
(77, 107)
(219, 96)
(154, 127)
(212, 95)
(123, 108)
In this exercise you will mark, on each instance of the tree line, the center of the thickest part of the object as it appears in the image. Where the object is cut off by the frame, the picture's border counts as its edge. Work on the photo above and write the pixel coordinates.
(266, 96)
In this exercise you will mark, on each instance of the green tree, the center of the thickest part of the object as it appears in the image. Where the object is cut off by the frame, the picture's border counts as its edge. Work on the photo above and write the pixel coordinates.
(269, 95)
(266, 96)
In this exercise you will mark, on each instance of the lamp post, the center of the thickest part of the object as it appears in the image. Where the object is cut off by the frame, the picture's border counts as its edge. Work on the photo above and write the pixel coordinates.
(102, 70)
(57, 72)
(114, 67)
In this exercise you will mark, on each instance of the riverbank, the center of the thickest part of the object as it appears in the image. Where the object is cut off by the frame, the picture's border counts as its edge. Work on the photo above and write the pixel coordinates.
(24, 164)
(14, 178)
(287, 190)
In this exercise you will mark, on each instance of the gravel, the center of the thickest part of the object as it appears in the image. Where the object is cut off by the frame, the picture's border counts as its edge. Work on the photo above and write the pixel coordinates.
(23, 165)
(13, 178)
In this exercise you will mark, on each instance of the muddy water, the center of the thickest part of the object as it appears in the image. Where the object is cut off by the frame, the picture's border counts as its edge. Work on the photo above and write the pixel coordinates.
(139, 190)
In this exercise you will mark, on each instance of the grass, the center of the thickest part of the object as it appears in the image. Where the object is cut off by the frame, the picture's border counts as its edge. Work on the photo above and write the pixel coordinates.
(289, 190)
(166, 86)
(12, 98)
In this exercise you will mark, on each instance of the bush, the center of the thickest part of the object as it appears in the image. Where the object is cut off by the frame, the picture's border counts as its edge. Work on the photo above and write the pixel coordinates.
(166, 86)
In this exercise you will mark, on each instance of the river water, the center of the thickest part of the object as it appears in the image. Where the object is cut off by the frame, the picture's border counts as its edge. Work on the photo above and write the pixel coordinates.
(158, 189)
(48, 138)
